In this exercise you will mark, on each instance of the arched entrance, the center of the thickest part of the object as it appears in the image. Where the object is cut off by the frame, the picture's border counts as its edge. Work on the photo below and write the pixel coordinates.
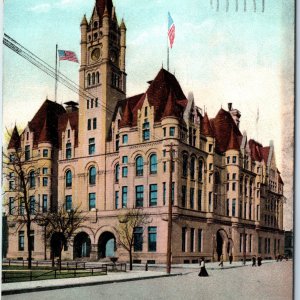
(223, 246)
(219, 245)
(82, 245)
(106, 245)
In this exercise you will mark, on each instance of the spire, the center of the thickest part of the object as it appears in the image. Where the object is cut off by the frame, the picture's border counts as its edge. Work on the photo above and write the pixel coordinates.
(170, 108)
(105, 14)
(84, 21)
(127, 117)
(45, 133)
(122, 25)
(14, 142)
(233, 143)
(206, 126)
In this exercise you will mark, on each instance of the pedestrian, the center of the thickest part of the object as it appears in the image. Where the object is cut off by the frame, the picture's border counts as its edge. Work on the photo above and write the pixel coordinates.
(259, 260)
(254, 261)
(203, 271)
(230, 258)
(221, 261)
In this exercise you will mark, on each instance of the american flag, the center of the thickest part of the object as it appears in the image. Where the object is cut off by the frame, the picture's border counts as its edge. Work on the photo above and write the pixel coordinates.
(171, 30)
(67, 55)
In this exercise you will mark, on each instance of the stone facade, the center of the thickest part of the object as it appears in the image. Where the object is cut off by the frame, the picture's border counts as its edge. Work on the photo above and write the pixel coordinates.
(111, 154)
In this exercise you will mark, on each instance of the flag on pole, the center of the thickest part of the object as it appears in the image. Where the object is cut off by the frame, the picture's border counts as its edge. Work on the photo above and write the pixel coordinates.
(171, 29)
(67, 55)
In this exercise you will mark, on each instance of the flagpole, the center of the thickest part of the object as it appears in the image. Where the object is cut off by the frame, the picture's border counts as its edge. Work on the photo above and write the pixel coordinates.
(168, 51)
(56, 72)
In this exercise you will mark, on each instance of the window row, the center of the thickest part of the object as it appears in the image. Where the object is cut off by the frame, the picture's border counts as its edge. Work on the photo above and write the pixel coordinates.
(93, 78)
(92, 124)
(231, 159)
(138, 239)
(193, 240)
(27, 153)
(92, 173)
(192, 198)
(34, 206)
(191, 167)
(91, 103)
(21, 240)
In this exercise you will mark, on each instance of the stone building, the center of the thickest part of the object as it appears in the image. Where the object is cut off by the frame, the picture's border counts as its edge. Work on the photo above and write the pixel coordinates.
(109, 153)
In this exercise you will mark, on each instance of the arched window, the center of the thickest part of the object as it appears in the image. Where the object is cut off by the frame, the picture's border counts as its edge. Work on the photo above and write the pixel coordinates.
(97, 77)
(200, 170)
(93, 78)
(192, 169)
(184, 165)
(89, 79)
(117, 171)
(31, 179)
(92, 175)
(68, 178)
(153, 164)
(139, 166)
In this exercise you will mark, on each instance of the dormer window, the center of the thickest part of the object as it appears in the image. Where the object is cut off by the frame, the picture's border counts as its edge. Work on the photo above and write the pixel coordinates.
(68, 151)
(27, 152)
(146, 111)
(146, 130)
(27, 136)
(95, 24)
(69, 133)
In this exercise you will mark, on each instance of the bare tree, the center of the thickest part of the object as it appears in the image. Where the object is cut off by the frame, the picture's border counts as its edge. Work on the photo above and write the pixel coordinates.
(130, 230)
(60, 225)
(20, 190)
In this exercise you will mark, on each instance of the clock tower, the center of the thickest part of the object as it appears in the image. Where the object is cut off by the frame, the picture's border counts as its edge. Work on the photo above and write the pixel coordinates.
(102, 76)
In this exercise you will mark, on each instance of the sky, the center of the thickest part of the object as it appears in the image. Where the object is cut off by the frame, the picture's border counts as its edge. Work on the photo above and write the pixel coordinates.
(243, 57)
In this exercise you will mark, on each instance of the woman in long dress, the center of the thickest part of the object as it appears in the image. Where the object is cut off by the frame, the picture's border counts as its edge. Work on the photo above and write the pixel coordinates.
(203, 271)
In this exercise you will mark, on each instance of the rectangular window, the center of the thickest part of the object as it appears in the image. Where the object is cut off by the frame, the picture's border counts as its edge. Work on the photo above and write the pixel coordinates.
(11, 185)
(31, 205)
(250, 243)
(164, 153)
(227, 186)
(234, 176)
(245, 210)
(233, 207)
(45, 181)
(146, 131)
(250, 211)
(124, 196)
(45, 203)
(139, 196)
(165, 131)
(116, 199)
(96, 100)
(228, 159)
(153, 195)
(138, 239)
(45, 171)
(257, 212)
(199, 199)
(183, 239)
(27, 152)
(21, 241)
(234, 159)
(266, 245)
(164, 193)
(125, 139)
(68, 151)
(45, 153)
(92, 200)
(233, 186)
(183, 195)
(199, 240)
(241, 242)
(227, 207)
(125, 159)
(192, 193)
(21, 207)
(210, 166)
(210, 148)
(259, 244)
(69, 133)
(124, 171)
(95, 123)
(31, 239)
(88, 104)
(210, 201)
(192, 240)
(152, 232)
(91, 146)
(11, 205)
(164, 166)
(89, 127)
(172, 131)
(68, 202)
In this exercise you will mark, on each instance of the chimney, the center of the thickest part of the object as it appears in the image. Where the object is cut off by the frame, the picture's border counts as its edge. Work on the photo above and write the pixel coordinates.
(235, 113)
(71, 106)
(229, 106)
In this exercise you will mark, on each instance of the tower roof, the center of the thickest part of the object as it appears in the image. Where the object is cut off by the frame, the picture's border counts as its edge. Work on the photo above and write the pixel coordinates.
(127, 116)
(45, 133)
(233, 143)
(14, 142)
(84, 21)
(206, 126)
(101, 5)
(171, 108)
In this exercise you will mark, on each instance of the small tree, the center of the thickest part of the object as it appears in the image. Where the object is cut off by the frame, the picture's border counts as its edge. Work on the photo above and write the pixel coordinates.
(133, 219)
(61, 225)
(21, 186)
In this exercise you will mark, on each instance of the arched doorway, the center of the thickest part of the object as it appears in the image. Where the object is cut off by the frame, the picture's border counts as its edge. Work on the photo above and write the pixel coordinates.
(82, 245)
(106, 245)
(219, 245)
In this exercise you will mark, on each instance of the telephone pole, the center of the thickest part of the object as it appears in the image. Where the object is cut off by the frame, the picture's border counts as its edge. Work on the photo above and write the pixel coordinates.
(169, 240)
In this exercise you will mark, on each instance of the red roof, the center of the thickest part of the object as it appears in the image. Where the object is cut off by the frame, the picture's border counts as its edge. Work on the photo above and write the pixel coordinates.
(223, 126)
(255, 150)
(233, 143)
(163, 88)
(265, 153)
(14, 142)
(206, 126)
(100, 6)
(280, 179)
(72, 117)
(49, 113)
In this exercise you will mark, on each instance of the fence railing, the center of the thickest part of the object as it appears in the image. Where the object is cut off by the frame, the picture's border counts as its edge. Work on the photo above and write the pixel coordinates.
(32, 275)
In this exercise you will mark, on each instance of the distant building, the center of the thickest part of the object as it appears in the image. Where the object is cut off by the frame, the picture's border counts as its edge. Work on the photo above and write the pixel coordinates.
(110, 154)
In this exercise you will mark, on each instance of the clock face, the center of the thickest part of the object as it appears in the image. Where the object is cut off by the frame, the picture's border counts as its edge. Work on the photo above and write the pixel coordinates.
(95, 54)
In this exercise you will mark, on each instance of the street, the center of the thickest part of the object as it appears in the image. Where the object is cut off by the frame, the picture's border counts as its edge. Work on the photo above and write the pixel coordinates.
(270, 281)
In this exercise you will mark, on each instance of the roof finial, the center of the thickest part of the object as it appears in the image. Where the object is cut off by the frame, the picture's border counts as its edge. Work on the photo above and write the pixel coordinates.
(162, 64)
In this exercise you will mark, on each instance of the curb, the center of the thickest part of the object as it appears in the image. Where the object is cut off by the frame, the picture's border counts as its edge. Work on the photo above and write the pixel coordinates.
(48, 288)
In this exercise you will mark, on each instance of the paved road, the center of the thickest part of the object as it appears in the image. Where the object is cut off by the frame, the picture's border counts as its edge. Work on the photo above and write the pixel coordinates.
(270, 281)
